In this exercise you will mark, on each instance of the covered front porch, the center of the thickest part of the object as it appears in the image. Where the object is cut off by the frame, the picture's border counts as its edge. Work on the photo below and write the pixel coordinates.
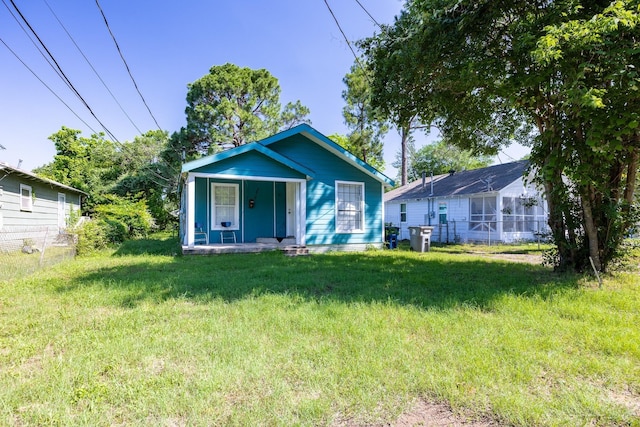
(227, 215)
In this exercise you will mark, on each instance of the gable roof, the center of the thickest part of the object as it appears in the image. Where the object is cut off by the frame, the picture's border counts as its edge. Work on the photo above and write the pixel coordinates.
(310, 133)
(6, 170)
(315, 136)
(492, 178)
(236, 151)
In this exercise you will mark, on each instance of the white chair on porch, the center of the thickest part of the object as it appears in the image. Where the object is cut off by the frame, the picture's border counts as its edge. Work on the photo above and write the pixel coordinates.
(200, 234)
(227, 236)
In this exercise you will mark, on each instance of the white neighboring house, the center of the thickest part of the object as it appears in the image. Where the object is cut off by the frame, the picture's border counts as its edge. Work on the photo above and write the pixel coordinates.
(482, 205)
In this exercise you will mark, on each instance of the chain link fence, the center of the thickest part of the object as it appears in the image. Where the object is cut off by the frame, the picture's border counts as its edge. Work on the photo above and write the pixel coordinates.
(487, 232)
(24, 250)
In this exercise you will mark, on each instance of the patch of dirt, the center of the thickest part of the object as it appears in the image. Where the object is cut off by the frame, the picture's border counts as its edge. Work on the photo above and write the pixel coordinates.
(34, 363)
(425, 413)
(525, 258)
(429, 414)
(628, 400)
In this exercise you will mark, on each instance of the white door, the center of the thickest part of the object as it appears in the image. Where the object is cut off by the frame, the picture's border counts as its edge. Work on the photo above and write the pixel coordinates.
(62, 207)
(404, 227)
(291, 209)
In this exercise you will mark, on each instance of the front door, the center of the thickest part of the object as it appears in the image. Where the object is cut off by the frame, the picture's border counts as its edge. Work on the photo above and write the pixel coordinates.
(291, 208)
(62, 207)
(259, 210)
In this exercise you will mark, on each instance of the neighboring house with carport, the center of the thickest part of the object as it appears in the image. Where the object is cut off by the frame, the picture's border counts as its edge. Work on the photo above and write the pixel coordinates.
(481, 205)
(31, 205)
(296, 187)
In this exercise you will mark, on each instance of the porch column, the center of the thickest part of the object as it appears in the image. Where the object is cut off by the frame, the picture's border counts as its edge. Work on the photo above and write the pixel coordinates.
(302, 213)
(191, 209)
(384, 219)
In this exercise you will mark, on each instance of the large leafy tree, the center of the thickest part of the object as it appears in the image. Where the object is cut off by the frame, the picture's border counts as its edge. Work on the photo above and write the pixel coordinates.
(235, 105)
(441, 157)
(366, 124)
(145, 176)
(88, 164)
(349, 145)
(132, 172)
(557, 75)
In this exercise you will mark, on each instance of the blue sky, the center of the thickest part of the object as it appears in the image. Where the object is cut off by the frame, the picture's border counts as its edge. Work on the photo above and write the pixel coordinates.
(168, 44)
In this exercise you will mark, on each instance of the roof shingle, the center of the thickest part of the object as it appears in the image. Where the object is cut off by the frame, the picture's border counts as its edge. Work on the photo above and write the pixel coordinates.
(492, 178)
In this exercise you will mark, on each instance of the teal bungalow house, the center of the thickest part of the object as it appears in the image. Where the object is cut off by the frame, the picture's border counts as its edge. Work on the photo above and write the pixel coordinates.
(296, 187)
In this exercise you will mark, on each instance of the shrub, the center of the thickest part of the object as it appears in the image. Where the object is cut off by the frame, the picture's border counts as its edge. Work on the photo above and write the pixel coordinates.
(92, 237)
(126, 219)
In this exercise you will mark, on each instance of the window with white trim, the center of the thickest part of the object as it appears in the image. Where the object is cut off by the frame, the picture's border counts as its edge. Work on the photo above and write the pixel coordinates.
(26, 201)
(403, 212)
(225, 206)
(482, 213)
(349, 207)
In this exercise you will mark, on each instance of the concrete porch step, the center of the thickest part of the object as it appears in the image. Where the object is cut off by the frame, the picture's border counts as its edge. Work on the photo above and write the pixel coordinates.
(294, 250)
(277, 241)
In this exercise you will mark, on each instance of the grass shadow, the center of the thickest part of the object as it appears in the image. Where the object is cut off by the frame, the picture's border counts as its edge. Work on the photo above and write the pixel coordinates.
(429, 280)
(162, 245)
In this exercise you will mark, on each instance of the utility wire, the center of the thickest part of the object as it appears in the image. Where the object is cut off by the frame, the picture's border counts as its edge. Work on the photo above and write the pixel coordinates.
(35, 44)
(124, 148)
(45, 85)
(367, 12)
(343, 35)
(125, 64)
(62, 72)
(92, 67)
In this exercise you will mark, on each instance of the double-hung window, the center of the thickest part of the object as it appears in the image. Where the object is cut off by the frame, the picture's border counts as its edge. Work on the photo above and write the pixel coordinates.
(225, 206)
(349, 207)
(26, 201)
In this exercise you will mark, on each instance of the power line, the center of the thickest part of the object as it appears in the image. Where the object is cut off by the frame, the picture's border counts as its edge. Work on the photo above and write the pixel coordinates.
(125, 150)
(45, 85)
(125, 64)
(31, 39)
(65, 78)
(92, 67)
(367, 12)
(343, 35)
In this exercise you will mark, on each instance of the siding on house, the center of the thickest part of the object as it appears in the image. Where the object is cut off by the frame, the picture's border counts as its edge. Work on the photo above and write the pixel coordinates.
(250, 164)
(44, 211)
(301, 161)
(321, 207)
(454, 193)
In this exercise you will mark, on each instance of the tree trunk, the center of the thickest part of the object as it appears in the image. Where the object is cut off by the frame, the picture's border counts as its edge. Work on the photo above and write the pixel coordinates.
(632, 174)
(591, 229)
(404, 152)
(557, 226)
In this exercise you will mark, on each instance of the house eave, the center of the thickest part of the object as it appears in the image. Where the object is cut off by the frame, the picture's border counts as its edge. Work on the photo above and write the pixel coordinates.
(315, 136)
(253, 146)
(9, 170)
(336, 149)
(244, 177)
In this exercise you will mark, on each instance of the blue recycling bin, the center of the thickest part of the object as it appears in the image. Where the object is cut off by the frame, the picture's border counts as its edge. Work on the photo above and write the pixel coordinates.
(393, 241)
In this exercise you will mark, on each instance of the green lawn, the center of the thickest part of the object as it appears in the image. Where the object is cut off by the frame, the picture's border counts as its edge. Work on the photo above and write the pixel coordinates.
(143, 337)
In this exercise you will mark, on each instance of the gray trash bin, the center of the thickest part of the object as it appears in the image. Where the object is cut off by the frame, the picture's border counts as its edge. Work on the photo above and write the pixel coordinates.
(420, 238)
